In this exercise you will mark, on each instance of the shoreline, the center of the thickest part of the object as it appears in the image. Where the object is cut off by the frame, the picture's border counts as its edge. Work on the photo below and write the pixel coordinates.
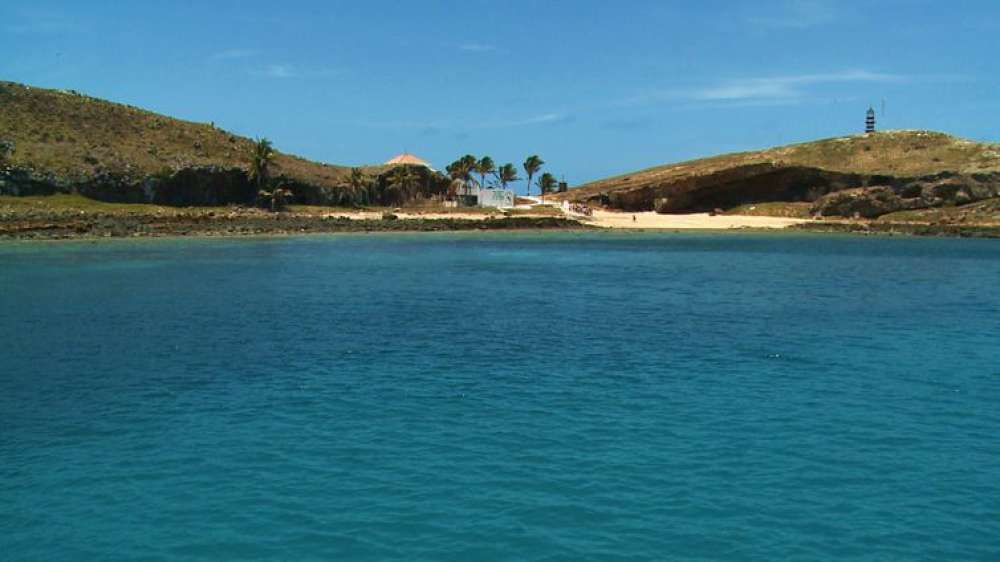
(117, 227)
(80, 220)
(53, 233)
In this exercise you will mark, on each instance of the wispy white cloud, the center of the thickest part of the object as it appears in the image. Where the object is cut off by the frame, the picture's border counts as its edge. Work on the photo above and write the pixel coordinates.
(533, 120)
(785, 87)
(796, 14)
(770, 90)
(284, 70)
(478, 48)
(276, 71)
(470, 124)
(231, 54)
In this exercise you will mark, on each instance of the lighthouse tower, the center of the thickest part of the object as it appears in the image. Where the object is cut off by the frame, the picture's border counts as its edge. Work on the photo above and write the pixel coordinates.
(870, 121)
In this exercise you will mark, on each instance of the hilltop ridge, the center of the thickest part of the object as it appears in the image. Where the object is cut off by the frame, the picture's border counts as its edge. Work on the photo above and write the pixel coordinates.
(65, 142)
(75, 135)
(912, 163)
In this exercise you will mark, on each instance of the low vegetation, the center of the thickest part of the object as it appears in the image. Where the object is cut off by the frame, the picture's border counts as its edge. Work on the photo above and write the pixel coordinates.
(773, 209)
(77, 136)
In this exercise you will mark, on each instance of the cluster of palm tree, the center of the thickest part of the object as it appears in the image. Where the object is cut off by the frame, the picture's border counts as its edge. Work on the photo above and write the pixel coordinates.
(395, 186)
(501, 176)
(360, 189)
(402, 184)
(398, 185)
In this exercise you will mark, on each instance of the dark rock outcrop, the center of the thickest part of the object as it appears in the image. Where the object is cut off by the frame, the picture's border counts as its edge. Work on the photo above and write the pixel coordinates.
(25, 181)
(863, 202)
(908, 194)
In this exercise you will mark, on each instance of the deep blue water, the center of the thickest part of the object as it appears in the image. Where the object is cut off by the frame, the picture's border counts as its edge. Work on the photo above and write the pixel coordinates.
(501, 397)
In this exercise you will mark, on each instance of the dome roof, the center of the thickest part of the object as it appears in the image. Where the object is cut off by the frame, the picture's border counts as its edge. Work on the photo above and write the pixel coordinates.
(408, 159)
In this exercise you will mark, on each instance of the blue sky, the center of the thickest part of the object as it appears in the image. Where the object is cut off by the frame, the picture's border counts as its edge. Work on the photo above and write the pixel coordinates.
(595, 87)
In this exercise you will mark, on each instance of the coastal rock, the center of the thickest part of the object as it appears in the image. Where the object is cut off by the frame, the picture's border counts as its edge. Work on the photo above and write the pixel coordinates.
(865, 202)
(909, 194)
(27, 181)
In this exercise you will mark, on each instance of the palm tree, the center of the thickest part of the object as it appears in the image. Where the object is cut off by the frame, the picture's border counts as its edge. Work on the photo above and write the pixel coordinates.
(259, 158)
(531, 167)
(506, 174)
(402, 183)
(469, 161)
(485, 167)
(462, 168)
(358, 184)
(276, 198)
(547, 184)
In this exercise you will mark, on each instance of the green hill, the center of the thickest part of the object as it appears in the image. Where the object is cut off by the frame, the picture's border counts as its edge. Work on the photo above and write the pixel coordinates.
(912, 163)
(67, 142)
(76, 136)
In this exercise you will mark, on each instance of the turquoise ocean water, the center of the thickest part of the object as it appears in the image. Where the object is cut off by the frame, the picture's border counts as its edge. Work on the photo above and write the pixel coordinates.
(534, 397)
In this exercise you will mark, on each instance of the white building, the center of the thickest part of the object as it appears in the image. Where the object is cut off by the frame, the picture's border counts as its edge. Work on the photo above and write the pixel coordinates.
(471, 195)
(499, 198)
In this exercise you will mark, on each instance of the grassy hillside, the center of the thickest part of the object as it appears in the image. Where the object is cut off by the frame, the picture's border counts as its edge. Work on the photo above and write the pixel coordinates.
(892, 153)
(76, 136)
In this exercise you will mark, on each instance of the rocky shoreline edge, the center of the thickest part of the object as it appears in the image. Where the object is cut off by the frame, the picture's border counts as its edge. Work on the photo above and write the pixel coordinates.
(97, 226)
(900, 229)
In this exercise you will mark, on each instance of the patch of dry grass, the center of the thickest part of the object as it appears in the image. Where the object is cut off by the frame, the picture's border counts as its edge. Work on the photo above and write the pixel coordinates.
(74, 136)
(985, 212)
(796, 210)
(81, 204)
(537, 211)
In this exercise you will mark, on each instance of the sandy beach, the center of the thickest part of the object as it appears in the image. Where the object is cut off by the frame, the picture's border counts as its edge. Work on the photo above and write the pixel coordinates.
(705, 221)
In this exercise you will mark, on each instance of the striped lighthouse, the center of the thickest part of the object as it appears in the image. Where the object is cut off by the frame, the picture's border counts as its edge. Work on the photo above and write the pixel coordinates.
(870, 121)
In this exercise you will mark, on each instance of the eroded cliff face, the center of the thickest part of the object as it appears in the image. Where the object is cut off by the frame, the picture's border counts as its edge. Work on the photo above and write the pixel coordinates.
(761, 183)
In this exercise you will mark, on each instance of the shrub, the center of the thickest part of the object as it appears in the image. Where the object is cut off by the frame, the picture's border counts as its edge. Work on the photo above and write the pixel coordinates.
(6, 150)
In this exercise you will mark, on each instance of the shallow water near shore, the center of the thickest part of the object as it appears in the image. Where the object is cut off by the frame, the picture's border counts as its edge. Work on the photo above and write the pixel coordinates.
(501, 396)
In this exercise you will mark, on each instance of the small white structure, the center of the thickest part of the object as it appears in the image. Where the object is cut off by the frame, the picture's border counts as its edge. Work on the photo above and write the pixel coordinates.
(499, 198)
(469, 194)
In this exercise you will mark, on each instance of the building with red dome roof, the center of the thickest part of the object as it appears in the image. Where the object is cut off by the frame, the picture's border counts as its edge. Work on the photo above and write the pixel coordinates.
(407, 159)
